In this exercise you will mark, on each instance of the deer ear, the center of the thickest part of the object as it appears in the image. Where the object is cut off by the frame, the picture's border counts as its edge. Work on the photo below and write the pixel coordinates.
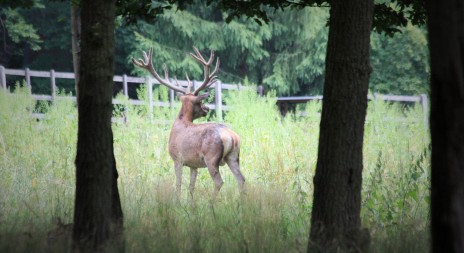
(203, 96)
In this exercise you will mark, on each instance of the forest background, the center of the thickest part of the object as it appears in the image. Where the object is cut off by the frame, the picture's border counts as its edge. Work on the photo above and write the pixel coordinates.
(286, 55)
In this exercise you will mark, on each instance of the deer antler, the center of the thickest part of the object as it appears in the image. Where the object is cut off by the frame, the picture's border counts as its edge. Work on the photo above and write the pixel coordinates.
(148, 65)
(210, 78)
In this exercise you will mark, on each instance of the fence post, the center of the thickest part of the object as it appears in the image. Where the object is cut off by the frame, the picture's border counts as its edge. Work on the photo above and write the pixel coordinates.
(28, 79)
(171, 93)
(171, 98)
(218, 101)
(194, 84)
(3, 77)
(260, 90)
(150, 96)
(53, 84)
(126, 94)
(425, 109)
(124, 85)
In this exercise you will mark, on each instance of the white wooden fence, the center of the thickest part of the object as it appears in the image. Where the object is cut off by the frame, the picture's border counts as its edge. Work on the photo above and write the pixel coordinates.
(124, 79)
(219, 86)
(422, 99)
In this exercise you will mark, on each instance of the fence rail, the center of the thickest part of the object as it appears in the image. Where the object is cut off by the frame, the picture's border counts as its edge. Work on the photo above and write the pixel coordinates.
(218, 106)
(283, 102)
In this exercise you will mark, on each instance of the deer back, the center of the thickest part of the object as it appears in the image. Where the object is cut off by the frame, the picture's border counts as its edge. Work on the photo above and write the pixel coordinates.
(195, 144)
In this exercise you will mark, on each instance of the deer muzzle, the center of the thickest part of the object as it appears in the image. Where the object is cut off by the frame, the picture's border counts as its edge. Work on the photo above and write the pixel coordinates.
(205, 108)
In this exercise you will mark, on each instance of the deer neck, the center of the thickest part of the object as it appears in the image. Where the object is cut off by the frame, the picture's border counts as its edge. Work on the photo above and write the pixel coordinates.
(186, 114)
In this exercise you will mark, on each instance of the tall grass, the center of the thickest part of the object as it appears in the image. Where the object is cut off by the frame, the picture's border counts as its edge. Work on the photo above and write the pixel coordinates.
(278, 157)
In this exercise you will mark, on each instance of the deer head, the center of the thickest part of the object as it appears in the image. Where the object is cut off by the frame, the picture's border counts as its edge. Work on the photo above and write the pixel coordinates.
(192, 106)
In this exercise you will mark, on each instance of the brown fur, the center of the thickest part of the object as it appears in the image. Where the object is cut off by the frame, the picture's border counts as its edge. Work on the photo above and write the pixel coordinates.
(198, 145)
(202, 145)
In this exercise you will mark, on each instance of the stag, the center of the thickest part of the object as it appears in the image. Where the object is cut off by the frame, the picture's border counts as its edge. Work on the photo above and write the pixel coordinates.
(198, 145)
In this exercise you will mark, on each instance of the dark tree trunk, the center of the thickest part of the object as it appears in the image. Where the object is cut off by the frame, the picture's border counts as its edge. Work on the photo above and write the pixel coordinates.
(97, 212)
(446, 42)
(75, 41)
(335, 220)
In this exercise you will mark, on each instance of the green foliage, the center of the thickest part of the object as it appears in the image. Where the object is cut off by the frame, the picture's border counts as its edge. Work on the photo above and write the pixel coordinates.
(53, 25)
(298, 52)
(278, 159)
(18, 30)
(400, 63)
(405, 198)
(44, 29)
(133, 11)
(36, 161)
(286, 55)
(396, 178)
(391, 16)
(176, 33)
(18, 3)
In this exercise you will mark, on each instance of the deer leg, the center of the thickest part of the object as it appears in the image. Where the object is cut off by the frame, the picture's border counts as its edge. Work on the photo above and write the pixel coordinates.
(213, 169)
(193, 178)
(178, 170)
(234, 166)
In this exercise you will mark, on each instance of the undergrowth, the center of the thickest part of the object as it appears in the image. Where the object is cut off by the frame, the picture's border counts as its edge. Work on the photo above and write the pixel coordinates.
(278, 158)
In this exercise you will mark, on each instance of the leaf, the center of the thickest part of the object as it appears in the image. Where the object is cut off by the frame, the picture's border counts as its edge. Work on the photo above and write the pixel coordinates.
(413, 194)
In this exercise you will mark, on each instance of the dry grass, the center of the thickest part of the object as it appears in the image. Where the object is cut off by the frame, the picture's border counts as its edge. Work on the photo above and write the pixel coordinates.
(278, 160)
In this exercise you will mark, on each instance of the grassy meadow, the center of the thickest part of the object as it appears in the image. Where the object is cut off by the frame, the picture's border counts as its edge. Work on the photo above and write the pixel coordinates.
(278, 159)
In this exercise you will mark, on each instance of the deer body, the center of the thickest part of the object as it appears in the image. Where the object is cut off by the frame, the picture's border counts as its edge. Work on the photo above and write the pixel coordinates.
(199, 145)
(191, 144)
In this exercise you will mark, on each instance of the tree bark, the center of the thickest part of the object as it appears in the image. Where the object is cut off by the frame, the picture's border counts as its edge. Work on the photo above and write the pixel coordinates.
(446, 43)
(97, 211)
(335, 220)
(75, 41)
